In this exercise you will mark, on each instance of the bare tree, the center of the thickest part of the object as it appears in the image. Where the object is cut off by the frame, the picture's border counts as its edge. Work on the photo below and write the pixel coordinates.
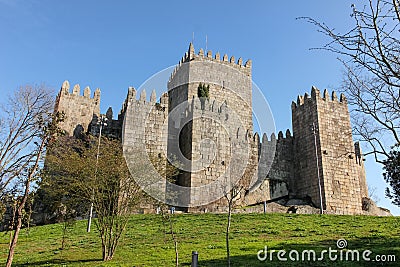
(372, 191)
(20, 120)
(370, 53)
(170, 171)
(27, 127)
(232, 196)
(168, 223)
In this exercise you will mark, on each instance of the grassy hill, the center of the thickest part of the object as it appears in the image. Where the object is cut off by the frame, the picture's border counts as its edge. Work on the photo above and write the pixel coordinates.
(146, 244)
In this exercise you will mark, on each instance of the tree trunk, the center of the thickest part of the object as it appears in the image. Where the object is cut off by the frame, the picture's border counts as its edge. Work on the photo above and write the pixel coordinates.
(19, 225)
(104, 250)
(31, 173)
(107, 250)
(175, 243)
(176, 254)
(228, 226)
(12, 222)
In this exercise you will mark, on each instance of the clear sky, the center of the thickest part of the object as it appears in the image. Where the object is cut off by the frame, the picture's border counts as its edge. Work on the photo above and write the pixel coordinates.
(116, 44)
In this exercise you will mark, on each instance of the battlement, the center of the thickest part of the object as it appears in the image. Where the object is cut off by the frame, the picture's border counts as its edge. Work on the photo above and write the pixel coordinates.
(270, 144)
(132, 97)
(76, 91)
(191, 55)
(287, 137)
(202, 56)
(316, 96)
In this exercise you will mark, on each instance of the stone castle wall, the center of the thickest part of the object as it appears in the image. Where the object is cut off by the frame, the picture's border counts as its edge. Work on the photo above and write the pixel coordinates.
(79, 109)
(145, 123)
(144, 139)
(220, 150)
(209, 134)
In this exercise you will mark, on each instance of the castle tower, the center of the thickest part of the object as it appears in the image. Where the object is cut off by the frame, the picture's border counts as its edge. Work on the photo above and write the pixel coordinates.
(342, 175)
(229, 82)
(205, 137)
(79, 109)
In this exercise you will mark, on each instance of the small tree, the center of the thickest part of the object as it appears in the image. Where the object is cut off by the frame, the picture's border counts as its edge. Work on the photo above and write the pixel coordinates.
(170, 171)
(203, 92)
(110, 186)
(168, 223)
(231, 196)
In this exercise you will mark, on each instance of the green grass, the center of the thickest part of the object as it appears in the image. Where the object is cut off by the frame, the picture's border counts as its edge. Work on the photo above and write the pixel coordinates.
(145, 243)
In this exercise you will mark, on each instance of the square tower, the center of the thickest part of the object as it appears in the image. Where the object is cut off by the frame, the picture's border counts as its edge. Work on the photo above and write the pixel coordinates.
(341, 171)
(205, 131)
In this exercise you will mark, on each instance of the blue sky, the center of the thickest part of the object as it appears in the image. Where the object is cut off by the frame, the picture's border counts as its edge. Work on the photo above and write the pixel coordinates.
(116, 44)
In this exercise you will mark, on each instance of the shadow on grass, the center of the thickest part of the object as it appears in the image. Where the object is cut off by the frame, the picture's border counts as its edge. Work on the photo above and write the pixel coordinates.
(58, 262)
(381, 247)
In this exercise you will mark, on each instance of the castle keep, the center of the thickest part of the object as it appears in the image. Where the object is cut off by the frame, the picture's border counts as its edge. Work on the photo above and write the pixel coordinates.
(213, 139)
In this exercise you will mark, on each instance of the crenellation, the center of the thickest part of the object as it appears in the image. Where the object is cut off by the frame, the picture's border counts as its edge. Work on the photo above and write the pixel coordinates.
(76, 90)
(96, 96)
(256, 138)
(300, 100)
(288, 134)
(201, 52)
(131, 94)
(109, 114)
(65, 87)
(153, 96)
(280, 135)
(164, 98)
(315, 93)
(334, 96)
(86, 92)
(142, 97)
(191, 53)
(316, 96)
(343, 98)
(326, 95)
(264, 138)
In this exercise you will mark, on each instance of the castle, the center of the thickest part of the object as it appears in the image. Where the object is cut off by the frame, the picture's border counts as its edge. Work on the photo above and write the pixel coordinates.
(212, 137)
